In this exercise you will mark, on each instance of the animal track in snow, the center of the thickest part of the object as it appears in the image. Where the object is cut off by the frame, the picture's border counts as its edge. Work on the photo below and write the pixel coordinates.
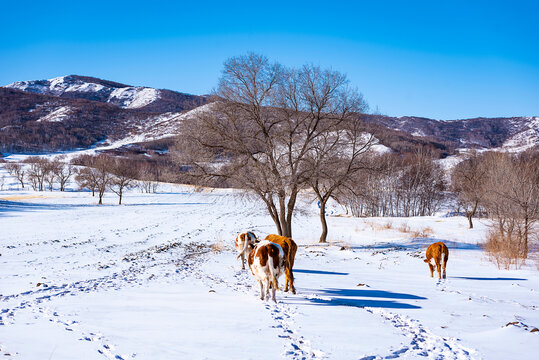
(423, 342)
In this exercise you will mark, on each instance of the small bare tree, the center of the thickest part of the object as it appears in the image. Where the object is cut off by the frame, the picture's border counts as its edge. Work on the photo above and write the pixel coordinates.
(101, 168)
(39, 169)
(17, 171)
(148, 175)
(96, 176)
(50, 173)
(85, 178)
(467, 180)
(123, 177)
(63, 172)
(512, 199)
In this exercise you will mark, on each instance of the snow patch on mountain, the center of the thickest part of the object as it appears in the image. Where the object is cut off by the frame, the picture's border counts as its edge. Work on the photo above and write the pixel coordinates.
(133, 97)
(525, 139)
(57, 115)
(129, 97)
(167, 124)
(56, 86)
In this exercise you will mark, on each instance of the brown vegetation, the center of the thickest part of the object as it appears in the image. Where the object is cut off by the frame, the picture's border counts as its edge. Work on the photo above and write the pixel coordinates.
(411, 185)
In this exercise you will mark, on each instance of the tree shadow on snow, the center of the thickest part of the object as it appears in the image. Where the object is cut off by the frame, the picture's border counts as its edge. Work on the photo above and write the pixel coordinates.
(169, 204)
(417, 244)
(7, 206)
(319, 272)
(358, 298)
(487, 278)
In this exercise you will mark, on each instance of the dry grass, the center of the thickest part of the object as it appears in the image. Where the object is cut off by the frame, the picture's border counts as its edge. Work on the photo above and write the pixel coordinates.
(404, 228)
(424, 233)
(504, 251)
(23, 197)
(388, 225)
(218, 245)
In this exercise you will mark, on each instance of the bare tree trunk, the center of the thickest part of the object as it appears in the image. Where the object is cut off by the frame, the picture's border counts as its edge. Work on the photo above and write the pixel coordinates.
(324, 235)
(273, 213)
(470, 214)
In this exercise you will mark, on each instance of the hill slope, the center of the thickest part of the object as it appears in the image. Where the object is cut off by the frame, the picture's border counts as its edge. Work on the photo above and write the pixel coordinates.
(75, 111)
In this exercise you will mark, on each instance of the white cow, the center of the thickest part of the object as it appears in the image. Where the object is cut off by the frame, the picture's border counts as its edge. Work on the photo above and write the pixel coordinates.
(267, 262)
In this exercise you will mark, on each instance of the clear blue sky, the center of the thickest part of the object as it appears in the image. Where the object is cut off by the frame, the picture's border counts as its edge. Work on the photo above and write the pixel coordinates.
(438, 59)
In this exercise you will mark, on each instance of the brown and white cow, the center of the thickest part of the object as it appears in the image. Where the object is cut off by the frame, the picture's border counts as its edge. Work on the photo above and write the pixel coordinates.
(437, 255)
(289, 247)
(245, 242)
(267, 262)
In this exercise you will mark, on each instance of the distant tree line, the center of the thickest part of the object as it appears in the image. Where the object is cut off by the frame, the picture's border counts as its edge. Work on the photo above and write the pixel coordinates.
(94, 173)
(506, 187)
(396, 185)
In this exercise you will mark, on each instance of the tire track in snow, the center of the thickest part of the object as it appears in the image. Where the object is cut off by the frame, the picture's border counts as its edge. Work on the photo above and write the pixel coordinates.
(423, 344)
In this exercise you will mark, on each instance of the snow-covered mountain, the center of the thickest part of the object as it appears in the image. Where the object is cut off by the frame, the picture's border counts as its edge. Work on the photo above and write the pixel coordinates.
(129, 97)
(121, 95)
(513, 134)
(75, 111)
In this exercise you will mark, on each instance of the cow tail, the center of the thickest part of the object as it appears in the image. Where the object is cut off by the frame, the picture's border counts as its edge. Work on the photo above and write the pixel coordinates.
(274, 279)
(245, 244)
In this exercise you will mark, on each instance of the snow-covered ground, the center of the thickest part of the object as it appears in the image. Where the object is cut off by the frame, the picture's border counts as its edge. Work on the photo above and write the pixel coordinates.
(157, 278)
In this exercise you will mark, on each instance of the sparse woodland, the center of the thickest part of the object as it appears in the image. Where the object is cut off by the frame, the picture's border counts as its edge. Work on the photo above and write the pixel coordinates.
(506, 187)
(275, 132)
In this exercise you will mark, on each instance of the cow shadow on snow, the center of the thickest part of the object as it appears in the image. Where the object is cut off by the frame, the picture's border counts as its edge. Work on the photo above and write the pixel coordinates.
(319, 272)
(416, 244)
(357, 298)
(488, 278)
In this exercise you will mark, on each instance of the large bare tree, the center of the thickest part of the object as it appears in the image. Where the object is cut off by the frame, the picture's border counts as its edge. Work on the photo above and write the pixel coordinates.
(261, 131)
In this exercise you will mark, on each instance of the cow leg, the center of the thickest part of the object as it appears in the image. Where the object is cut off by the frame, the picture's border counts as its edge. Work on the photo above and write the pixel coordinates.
(261, 290)
(243, 261)
(431, 270)
(439, 270)
(443, 273)
(268, 282)
(273, 294)
(289, 280)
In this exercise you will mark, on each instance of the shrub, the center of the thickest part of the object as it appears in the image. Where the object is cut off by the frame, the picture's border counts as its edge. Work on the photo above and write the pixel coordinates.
(504, 249)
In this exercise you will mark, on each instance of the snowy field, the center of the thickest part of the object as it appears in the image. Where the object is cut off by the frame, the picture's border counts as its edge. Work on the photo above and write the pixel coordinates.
(157, 278)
